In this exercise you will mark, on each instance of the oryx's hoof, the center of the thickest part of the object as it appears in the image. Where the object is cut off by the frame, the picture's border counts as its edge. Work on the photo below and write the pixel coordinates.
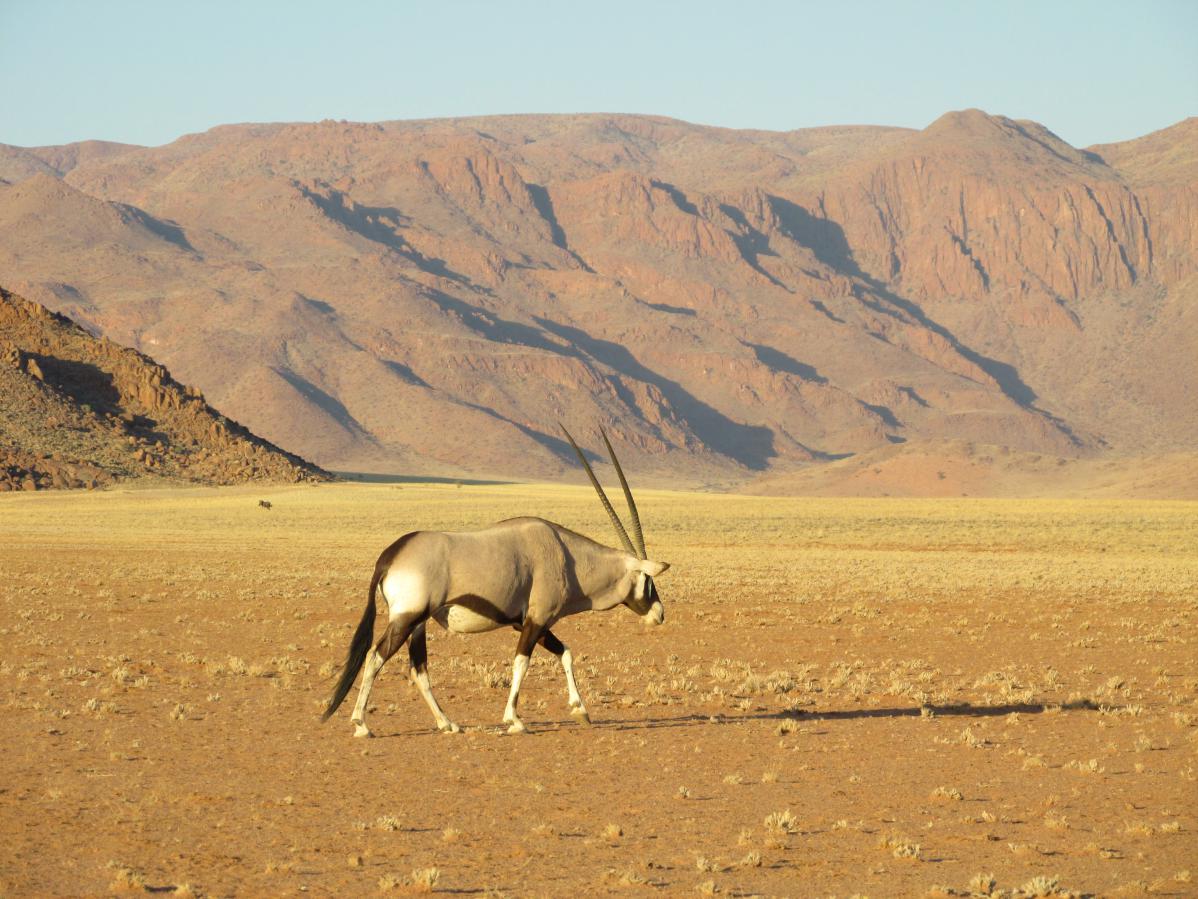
(579, 713)
(449, 728)
(361, 730)
(516, 727)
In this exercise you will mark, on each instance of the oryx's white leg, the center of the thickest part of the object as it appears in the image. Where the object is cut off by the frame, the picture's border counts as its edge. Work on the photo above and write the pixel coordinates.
(418, 654)
(374, 662)
(530, 633)
(510, 718)
(562, 651)
(393, 638)
(577, 709)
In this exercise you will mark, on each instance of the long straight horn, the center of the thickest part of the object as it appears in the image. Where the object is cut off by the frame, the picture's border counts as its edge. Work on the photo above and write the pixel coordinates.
(615, 519)
(637, 537)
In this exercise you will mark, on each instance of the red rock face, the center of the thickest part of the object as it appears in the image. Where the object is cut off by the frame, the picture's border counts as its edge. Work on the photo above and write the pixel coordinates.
(435, 296)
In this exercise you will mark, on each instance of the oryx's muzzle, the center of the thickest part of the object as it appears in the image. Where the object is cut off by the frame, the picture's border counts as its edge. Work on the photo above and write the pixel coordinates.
(647, 603)
(656, 614)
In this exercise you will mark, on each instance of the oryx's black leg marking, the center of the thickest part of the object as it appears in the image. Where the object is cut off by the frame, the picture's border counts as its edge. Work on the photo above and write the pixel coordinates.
(396, 634)
(418, 649)
(418, 656)
(530, 633)
(393, 638)
(552, 643)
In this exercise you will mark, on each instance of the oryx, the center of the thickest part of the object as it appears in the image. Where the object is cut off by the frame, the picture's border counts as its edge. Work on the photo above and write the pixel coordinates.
(524, 573)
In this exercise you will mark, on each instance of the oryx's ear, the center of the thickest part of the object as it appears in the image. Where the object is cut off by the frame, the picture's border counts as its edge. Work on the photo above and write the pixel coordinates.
(653, 569)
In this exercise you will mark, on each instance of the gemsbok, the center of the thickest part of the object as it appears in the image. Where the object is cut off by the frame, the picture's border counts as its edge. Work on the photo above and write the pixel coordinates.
(525, 573)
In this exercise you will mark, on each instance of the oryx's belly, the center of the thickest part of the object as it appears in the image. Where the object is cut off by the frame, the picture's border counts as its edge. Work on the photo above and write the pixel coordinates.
(473, 615)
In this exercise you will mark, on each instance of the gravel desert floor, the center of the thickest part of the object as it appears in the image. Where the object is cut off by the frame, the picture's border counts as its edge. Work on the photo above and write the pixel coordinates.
(848, 697)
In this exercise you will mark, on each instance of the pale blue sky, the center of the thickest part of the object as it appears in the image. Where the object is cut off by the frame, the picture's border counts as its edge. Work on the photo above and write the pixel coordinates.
(148, 72)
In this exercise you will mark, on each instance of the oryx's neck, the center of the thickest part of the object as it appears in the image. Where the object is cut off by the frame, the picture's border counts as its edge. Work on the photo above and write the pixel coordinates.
(599, 569)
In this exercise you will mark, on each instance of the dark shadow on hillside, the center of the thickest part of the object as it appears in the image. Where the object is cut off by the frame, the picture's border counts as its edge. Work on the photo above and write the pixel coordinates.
(677, 196)
(371, 477)
(822, 236)
(885, 413)
(779, 361)
(404, 373)
(378, 224)
(1005, 375)
(167, 230)
(750, 445)
(318, 306)
(544, 205)
(827, 240)
(910, 393)
(328, 404)
(492, 327)
(751, 244)
(672, 310)
(556, 445)
(819, 307)
(82, 382)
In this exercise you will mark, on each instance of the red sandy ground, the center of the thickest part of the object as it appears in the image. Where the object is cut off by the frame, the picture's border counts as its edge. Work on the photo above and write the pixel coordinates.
(214, 775)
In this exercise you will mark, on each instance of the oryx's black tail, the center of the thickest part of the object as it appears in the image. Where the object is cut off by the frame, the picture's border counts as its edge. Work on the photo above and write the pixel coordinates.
(359, 648)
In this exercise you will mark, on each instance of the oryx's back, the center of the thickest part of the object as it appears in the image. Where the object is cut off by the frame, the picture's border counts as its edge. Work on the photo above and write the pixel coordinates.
(487, 573)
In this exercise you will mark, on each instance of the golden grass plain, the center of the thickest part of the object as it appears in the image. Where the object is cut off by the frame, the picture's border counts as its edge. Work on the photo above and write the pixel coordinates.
(872, 697)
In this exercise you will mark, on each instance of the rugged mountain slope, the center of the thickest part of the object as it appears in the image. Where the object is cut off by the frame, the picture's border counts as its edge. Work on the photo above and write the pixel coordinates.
(77, 411)
(435, 295)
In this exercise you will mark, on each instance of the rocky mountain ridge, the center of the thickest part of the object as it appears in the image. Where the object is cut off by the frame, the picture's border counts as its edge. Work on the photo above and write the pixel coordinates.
(433, 296)
(80, 411)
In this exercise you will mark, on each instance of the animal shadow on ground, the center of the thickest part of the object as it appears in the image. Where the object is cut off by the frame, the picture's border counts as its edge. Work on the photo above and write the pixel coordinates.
(964, 710)
(967, 710)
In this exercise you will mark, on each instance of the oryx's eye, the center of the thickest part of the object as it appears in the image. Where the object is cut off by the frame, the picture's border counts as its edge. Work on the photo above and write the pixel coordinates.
(650, 590)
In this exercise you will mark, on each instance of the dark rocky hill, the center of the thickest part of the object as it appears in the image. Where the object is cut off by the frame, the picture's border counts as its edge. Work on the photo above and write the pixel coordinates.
(81, 411)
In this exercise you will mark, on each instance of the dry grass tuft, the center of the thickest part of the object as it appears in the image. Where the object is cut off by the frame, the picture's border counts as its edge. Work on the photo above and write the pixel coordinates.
(126, 879)
(901, 847)
(1043, 886)
(628, 877)
(982, 885)
(782, 822)
(423, 880)
(751, 860)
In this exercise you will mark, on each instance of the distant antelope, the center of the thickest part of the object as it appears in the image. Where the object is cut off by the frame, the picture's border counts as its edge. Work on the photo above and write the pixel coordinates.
(525, 573)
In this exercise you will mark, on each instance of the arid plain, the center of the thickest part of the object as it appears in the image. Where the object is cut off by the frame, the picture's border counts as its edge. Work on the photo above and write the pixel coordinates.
(875, 697)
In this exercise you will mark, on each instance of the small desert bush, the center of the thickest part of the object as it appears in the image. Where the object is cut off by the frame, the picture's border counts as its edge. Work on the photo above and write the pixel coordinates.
(782, 822)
